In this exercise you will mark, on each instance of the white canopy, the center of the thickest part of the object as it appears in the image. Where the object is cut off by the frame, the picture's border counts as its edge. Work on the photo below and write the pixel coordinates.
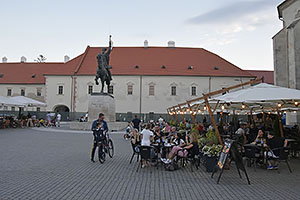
(28, 102)
(20, 101)
(260, 93)
(7, 101)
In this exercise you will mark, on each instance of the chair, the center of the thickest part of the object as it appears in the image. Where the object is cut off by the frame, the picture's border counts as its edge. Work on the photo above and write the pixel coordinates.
(251, 155)
(193, 159)
(145, 154)
(7, 124)
(283, 156)
(134, 152)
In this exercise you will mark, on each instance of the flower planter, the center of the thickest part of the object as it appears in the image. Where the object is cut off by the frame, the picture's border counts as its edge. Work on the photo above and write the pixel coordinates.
(210, 163)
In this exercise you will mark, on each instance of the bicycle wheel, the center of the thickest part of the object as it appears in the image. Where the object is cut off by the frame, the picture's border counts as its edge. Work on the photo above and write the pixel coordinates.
(110, 148)
(101, 154)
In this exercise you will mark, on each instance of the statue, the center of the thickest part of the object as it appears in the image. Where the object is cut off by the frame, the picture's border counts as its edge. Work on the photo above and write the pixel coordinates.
(103, 71)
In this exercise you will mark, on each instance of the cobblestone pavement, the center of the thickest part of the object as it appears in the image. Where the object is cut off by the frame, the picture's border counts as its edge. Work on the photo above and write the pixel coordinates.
(49, 164)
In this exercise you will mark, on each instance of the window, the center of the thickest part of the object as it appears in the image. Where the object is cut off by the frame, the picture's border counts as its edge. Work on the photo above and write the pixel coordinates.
(173, 90)
(5, 108)
(13, 109)
(60, 89)
(130, 89)
(22, 92)
(8, 92)
(111, 89)
(38, 92)
(151, 90)
(90, 89)
(38, 109)
(194, 91)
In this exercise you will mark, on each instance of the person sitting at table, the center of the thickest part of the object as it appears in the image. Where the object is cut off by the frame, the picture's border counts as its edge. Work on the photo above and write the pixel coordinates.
(167, 128)
(191, 148)
(260, 138)
(274, 143)
(178, 141)
(135, 139)
(173, 131)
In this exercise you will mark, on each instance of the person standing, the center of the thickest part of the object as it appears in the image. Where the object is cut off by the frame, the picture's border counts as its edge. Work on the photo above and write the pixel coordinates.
(48, 116)
(58, 118)
(103, 124)
(86, 117)
(136, 122)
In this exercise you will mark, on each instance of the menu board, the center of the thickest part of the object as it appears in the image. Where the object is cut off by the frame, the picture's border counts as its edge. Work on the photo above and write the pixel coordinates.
(224, 153)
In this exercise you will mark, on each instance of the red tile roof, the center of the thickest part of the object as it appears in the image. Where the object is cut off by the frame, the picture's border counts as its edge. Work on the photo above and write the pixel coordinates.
(268, 75)
(150, 61)
(124, 61)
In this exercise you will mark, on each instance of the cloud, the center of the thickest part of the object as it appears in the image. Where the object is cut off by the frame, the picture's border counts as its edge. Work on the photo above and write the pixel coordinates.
(233, 12)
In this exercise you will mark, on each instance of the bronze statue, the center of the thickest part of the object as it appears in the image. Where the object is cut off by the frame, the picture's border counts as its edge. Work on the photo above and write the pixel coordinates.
(103, 71)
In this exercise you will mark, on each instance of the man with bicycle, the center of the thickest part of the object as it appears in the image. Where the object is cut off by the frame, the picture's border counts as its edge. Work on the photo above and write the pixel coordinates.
(99, 128)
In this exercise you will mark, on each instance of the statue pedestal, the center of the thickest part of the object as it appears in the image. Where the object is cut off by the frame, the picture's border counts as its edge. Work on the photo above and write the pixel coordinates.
(102, 103)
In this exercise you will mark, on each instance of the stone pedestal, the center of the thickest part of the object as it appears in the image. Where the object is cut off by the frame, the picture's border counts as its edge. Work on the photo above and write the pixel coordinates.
(102, 103)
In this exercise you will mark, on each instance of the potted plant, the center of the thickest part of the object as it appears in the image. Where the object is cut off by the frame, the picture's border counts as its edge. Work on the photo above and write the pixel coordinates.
(211, 154)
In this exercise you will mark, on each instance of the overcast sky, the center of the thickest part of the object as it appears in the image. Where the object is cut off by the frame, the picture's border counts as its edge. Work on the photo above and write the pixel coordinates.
(240, 31)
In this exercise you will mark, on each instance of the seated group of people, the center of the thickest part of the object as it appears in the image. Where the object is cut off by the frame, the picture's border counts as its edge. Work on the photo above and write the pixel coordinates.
(272, 145)
(182, 144)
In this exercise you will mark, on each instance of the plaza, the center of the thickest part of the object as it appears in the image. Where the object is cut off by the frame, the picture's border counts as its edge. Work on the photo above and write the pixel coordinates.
(53, 163)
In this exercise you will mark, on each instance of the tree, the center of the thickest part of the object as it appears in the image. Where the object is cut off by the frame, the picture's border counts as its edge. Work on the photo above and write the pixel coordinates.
(40, 59)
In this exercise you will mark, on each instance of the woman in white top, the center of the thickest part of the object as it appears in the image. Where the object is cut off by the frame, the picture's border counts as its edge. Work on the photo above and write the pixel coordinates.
(147, 136)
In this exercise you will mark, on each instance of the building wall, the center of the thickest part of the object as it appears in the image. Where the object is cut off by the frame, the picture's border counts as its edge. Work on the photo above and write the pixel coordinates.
(162, 98)
(286, 45)
(289, 13)
(52, 97)
(30, 91)
(281, 72)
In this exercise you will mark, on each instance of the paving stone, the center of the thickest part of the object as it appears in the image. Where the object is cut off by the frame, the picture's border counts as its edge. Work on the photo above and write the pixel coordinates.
(55, 164)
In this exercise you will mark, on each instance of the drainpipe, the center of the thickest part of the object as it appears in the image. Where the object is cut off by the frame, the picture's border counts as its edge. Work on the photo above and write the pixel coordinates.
(140, 112)
(209, 84)
(72, 85)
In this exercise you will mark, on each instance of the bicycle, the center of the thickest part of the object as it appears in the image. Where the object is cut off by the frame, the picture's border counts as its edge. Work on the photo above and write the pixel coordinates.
(105, 146)
(101, 153)
(109, 146)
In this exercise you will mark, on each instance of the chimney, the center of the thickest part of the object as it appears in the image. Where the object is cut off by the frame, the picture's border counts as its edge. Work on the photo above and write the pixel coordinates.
(4, 59)
(23, 59)
(171, 44)
(66, 58)
(146, 44)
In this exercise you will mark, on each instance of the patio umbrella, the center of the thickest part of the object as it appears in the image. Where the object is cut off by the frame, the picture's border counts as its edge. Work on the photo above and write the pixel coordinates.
(262, 92)
(7, 101)
(28, 102)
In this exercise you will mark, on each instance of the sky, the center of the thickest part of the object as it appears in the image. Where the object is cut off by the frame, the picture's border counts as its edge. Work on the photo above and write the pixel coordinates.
(240, 31)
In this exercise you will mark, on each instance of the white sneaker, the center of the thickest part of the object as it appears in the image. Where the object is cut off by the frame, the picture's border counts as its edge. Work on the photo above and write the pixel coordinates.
(163, 159)
(168, 161)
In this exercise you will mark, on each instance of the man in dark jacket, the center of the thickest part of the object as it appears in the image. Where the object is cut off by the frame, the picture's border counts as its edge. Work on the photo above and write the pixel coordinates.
(96, 124)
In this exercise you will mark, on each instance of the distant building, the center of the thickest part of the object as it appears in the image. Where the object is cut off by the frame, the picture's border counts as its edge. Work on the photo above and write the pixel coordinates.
(286, 49)
(286, 46)
(267, 75)
(146, 79)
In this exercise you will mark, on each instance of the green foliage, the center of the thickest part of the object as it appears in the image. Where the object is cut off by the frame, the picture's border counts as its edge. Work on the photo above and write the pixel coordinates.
(181, 126)
(212, 137)
(212, 150)
(173, 123)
